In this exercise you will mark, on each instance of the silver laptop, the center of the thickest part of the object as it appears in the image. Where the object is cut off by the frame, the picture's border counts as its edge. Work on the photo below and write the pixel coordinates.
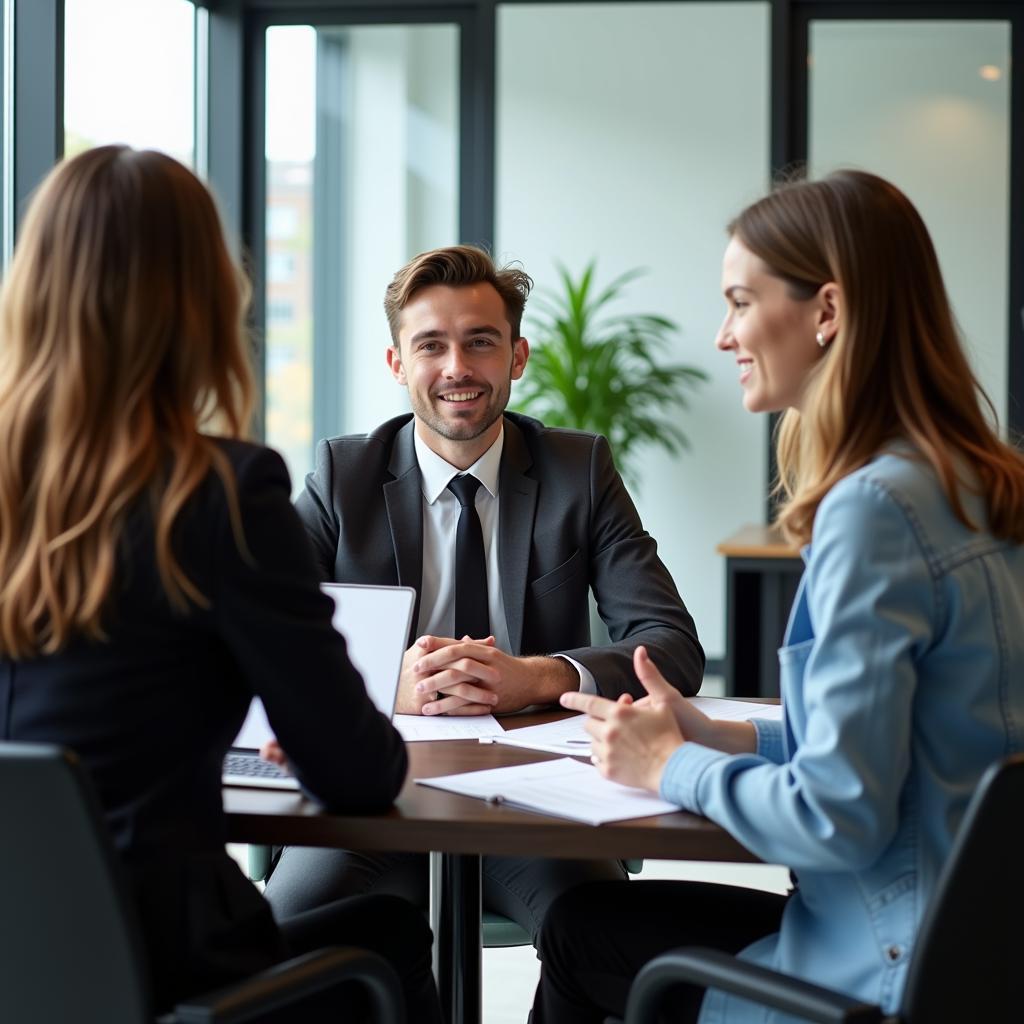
(375, 624)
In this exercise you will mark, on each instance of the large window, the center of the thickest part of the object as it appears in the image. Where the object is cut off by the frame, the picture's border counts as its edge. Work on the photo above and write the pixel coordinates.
(129, 74)
(361, 167)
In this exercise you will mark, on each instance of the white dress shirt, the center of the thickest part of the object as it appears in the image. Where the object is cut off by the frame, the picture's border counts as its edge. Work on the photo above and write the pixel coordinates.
(441, 511)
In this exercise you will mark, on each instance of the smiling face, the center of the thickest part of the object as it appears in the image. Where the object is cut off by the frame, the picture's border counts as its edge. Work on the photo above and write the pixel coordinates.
(457, 357)
(771, 334)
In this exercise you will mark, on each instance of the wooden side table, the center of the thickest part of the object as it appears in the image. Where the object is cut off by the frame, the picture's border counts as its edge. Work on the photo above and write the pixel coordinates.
(762, 574)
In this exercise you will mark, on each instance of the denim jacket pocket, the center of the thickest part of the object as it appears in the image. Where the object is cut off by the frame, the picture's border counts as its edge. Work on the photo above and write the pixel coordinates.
(793, 664)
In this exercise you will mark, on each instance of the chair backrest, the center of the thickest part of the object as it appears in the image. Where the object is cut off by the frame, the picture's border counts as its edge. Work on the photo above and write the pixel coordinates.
(69, 943)
(970, 943)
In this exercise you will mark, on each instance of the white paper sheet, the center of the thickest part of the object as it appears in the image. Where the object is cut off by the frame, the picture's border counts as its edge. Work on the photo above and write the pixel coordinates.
(568, 736)
(736, 710)
(418, 728)
(564, 788)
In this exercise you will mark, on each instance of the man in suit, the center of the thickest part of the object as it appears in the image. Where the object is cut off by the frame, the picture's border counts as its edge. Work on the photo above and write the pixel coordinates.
(502, 526)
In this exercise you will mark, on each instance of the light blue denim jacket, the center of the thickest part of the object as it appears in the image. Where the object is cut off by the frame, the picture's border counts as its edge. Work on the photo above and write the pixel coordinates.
(902, 680)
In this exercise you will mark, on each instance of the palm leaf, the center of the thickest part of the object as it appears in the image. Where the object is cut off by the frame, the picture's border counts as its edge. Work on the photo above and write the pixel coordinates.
(594, 370)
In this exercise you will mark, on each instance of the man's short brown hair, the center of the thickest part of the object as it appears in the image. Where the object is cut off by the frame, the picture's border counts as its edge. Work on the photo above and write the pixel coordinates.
(457, 266)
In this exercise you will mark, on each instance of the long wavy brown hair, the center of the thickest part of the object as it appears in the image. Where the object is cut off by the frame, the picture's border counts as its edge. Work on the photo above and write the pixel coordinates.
(121, 338)
(896, 369)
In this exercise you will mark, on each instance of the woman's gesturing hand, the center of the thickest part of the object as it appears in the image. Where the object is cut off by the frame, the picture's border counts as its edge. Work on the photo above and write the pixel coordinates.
(728, 736)
(632, 740)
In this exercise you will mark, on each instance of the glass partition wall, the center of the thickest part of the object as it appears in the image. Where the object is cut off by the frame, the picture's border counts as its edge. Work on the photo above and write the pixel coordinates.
(628, 134)
(927, 105)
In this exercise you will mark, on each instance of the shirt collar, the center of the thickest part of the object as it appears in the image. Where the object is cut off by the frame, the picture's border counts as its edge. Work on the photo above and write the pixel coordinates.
(436, 473)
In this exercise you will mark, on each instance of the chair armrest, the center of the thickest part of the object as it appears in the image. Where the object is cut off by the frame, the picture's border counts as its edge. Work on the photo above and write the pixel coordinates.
(710, 968)
(286, 983)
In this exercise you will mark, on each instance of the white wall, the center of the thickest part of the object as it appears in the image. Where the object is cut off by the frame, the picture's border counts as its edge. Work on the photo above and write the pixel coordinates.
(905, 100)
(632, 133)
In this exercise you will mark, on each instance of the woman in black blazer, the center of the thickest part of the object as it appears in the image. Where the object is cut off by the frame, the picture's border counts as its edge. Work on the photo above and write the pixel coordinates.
(154, 577)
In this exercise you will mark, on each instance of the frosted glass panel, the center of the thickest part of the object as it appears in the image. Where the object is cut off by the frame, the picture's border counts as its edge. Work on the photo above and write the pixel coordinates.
(631, 133)
(926, 104)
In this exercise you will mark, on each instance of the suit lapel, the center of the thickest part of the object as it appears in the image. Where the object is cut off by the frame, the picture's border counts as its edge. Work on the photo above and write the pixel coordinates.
(517, 503)
(403, 497)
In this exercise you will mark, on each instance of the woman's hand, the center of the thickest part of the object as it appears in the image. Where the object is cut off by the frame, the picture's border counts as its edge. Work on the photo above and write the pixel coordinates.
(271, 751)
(693, 724)
(730, 737)
(633, 741)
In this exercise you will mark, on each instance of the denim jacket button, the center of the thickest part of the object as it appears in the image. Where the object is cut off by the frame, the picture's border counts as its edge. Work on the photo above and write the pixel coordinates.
(894, 953)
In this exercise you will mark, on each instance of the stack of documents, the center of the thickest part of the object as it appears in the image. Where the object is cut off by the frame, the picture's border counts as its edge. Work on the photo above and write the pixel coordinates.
(564, 788)
(568, 735)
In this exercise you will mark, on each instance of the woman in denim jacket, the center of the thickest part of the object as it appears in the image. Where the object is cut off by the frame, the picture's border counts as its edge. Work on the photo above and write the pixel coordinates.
(903, 663)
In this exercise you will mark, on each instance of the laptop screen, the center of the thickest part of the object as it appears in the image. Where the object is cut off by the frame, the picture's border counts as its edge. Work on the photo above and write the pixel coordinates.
(375, 624)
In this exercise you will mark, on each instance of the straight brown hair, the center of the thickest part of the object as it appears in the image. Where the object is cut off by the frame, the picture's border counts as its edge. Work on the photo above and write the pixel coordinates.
(457, 266)
(896, 369)
(121, 335)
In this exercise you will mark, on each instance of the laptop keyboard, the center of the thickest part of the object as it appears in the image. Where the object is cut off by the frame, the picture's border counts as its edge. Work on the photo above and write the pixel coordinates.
(252, 767)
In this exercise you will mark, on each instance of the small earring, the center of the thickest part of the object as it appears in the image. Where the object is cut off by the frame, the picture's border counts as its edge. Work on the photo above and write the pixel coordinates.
(820, 339)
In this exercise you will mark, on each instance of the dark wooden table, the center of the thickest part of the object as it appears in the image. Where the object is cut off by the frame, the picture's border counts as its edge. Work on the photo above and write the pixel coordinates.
(762, 572)
(459, 830)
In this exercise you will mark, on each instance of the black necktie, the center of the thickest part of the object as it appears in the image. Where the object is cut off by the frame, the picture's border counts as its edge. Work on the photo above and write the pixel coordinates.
(471, 617)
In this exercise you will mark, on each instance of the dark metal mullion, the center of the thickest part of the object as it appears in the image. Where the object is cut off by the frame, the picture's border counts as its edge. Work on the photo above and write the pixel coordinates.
(254, 188)
(338, 13)
(477, 117)
(6, 134)
(906, 10)
(346, 16)
(788, 147)
(1015, 327)
(38, 95)
(330, 174)
(225, 115)
(781, 114)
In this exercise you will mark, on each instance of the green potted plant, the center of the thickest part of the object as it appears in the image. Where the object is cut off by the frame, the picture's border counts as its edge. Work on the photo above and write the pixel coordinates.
(602, 372)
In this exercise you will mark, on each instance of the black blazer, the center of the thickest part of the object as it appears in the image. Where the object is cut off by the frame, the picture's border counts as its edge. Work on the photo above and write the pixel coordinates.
(152, 710)
(566, 525)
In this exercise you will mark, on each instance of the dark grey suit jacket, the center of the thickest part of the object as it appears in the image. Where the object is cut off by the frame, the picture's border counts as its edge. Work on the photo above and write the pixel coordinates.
(565, 524)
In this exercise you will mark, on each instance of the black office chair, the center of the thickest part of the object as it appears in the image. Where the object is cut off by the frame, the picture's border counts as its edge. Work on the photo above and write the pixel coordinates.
(969, 942)
(69, 941)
